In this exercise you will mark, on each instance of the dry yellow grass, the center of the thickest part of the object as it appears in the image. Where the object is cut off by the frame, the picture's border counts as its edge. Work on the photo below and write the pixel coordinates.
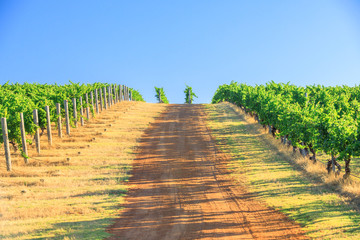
(350, 187)
(322, 204)
(72, 189)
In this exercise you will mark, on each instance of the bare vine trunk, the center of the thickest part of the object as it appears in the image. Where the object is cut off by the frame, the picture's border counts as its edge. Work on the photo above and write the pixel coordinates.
(313, 157)
(332, 164)
(273, 131)
(347, 168)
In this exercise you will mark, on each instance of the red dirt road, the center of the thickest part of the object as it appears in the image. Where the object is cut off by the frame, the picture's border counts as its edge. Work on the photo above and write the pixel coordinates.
(180, 189)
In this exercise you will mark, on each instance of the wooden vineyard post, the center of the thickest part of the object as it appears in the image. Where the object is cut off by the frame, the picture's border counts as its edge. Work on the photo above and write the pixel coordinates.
(58, 113)
(37, 137)
(119, 100)
(6, 143)
(48, 124)
(109, 96)
(120, 93)
(96, 101)
(101, 100)
(92, 101)
(115, 93)
(67, 119)
(113, 99)
(105, 104)
(127, 94)
(87, 106)
(74, 112)
(23, 138)
(123, 92)
(81, 112)
(189, 96)
(130, 96)
(125, 97)
(112, 95)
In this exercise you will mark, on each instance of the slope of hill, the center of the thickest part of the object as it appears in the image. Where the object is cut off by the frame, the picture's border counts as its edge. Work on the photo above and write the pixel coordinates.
(72, 189)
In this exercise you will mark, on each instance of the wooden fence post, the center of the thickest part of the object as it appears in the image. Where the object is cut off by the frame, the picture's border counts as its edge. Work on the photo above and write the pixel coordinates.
(124, 93)
(112, 95)
(105, 104)
(116, 94)
(109, 96)
(37, 137)
(23, 138)
(125, 96)
(67, 119)
(92, 101)
(48, 124)
(189, 96)
(120, 93)
(58, 112)
(6, 143)
(128, 93)
(81, 112)
(87, 106)
(128, 90)
(74, 111)
(101, 100)
(96, 101)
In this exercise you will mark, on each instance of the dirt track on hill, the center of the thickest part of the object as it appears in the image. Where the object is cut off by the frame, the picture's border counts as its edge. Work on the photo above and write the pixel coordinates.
(180, 189)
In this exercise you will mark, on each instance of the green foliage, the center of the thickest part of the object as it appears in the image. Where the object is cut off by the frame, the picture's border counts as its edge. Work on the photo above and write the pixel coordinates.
(160, 95)
(136, 96)
(277, 182)
(189, 94)
(325, 119)
(17, 98)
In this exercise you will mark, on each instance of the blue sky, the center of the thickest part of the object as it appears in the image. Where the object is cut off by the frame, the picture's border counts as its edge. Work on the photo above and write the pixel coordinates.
(202, 43)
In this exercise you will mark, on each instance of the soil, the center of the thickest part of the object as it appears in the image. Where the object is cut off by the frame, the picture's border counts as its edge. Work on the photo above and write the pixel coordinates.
(180, 188)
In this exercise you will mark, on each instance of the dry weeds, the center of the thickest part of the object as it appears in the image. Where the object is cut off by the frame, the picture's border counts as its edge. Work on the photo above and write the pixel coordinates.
(79, 178)
(349, 188)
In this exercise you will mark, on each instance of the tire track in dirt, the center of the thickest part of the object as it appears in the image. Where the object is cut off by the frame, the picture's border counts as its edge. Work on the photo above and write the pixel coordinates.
(180, 189)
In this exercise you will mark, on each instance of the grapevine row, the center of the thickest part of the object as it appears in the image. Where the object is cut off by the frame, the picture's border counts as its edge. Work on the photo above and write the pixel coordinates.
(311, 118)
(35, 106)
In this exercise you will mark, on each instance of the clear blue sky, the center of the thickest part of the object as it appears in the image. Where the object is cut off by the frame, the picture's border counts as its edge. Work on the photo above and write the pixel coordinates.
(202, 43)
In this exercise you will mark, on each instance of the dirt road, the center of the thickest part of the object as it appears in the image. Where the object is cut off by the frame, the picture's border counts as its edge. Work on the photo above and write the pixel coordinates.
(180, 189)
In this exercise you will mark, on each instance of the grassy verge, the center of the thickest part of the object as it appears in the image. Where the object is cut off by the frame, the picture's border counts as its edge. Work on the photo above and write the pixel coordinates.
(73, 189)
(277, 179)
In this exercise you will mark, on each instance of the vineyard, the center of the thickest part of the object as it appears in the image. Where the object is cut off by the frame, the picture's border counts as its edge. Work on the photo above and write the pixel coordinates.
(312, 119)
(96, 162)
(26, 109)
